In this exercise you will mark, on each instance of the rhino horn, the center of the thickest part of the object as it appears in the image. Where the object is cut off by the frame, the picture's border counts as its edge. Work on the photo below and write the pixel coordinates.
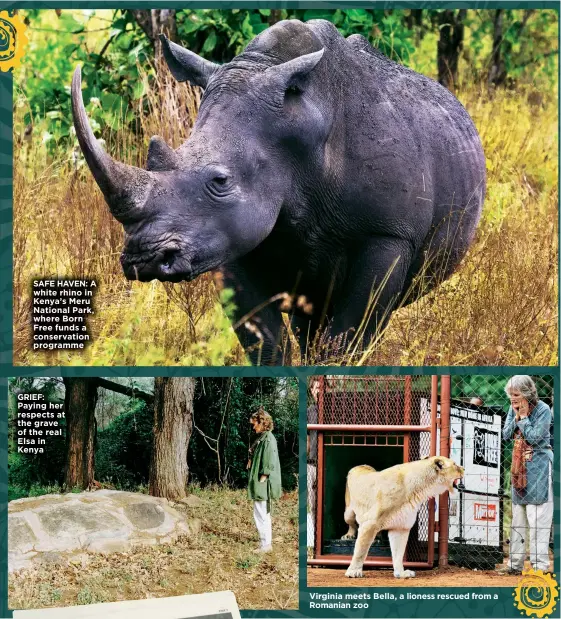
(186, 66)
(125, 187)
(292, 72)
(161, 157)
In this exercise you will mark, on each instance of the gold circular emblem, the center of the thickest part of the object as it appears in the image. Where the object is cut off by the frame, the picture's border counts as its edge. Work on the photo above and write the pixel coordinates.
(12, 40)
(536, 593)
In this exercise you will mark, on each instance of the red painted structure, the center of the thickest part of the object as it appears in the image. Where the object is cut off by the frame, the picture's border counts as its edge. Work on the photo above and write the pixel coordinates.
(401, 412)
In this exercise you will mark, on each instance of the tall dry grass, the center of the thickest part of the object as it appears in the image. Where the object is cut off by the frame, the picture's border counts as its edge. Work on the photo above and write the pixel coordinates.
(501, 305)
(62, 228)
(499, 308)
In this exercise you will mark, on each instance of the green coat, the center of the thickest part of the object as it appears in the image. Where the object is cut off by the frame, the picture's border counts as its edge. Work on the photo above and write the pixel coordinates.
(265, 461)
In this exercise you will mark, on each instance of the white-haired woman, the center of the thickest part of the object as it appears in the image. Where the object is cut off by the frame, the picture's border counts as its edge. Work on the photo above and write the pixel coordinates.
(528, 423)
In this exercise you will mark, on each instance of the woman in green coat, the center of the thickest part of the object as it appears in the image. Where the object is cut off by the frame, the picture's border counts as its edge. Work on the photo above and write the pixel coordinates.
(264, 476)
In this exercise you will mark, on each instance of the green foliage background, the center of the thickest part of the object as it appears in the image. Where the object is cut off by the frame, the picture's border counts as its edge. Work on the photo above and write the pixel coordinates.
(230, 402)
(122, 457)
(115, 53)
(222, 407)
(33, 475)
(491, 389)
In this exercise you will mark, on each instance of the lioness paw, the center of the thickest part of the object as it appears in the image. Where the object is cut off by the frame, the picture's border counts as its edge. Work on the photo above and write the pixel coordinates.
(354, 572)
(349, 536)
(405, 574)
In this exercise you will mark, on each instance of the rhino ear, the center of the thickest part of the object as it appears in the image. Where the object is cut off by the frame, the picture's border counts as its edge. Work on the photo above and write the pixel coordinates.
(293, 73)
(186, 66)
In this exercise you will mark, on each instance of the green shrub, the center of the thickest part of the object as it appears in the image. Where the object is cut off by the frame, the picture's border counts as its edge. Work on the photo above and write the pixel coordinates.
(124, 447)
(227, 403)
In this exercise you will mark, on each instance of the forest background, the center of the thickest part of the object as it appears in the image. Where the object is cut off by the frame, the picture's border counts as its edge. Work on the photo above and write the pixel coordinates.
(115, 432)
(502, 65)
(183, 440)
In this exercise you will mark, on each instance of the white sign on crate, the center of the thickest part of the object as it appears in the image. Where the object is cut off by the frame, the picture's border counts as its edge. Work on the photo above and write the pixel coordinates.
(475, 443)
(480, 441)
(480, 518)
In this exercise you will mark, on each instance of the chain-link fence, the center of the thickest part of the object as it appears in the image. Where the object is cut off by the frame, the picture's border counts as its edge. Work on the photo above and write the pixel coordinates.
(387, 420)
(375, 420)
(504, 509)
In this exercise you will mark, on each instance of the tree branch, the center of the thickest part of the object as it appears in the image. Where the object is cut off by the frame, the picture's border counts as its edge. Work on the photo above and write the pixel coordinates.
(104, 49)
(538, 58)
(133, 393)
(142, 18)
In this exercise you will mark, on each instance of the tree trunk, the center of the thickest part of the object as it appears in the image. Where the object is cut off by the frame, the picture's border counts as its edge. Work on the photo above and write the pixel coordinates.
(450, 45)
(155, 22)
(173, 424)
(497, 72)
(79, 404)
(274, 17)
(503, 48)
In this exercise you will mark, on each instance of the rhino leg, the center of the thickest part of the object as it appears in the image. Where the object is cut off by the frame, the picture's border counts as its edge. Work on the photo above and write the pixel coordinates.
(383, 260)
(258, 321)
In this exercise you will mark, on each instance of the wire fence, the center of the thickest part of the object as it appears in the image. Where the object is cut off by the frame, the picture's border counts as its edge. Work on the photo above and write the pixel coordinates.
(496, 520)
(503, 513)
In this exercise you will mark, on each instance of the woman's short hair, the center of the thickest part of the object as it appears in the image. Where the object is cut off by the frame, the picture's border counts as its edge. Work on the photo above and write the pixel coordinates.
(263, 419)
(525, 386)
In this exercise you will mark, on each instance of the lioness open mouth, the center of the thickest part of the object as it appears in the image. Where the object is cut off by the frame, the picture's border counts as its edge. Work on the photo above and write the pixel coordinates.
(456, 482)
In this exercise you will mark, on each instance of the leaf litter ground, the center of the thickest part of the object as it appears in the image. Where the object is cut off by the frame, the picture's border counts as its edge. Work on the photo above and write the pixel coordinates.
(218, 558)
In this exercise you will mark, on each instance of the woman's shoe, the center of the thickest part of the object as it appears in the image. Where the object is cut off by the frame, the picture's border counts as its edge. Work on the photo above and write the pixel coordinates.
(506, 570)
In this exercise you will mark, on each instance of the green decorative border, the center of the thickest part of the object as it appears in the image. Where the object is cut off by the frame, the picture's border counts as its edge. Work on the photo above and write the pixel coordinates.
(502, 608)
(6, 186)
(272, 4)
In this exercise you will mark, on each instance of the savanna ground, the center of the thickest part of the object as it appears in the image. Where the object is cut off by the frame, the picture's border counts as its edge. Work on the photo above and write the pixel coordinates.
(218, 558)
(500, 307)
(438, 577)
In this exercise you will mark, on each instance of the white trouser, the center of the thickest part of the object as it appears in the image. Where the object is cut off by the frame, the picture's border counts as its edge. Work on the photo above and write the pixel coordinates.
(312, 498)
(537, 520)
(263, 523)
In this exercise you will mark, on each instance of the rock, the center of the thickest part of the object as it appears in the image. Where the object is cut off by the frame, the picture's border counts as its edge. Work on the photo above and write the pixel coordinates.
(21, 561)
(71, 520)
(107, 546)
(51, 558)
(20, 534)
(145, 515)
(53, 528)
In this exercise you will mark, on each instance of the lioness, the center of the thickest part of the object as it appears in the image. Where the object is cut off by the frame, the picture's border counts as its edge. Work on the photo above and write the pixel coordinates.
(389, 500)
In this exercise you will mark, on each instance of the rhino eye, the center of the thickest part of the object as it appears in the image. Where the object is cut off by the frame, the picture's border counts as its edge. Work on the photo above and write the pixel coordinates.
(293, 90)
(219, 185)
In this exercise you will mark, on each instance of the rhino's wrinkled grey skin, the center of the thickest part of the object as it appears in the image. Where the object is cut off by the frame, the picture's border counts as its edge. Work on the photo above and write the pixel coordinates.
(317, 167)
